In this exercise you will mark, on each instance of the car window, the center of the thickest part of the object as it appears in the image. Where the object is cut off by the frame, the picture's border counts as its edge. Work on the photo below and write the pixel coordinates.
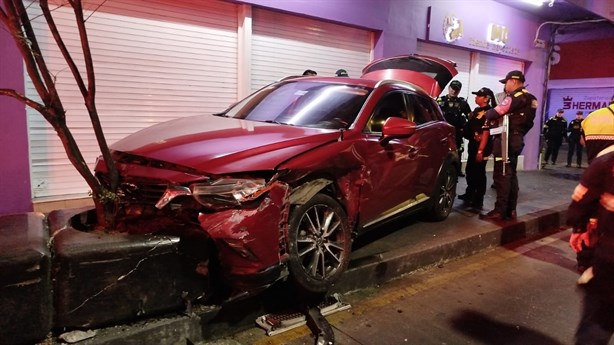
(391, 105)
(423, 108)
(303, 103)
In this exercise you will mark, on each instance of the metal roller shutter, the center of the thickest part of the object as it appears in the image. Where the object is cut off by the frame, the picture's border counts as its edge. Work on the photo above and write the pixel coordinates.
(284, 45)
(461, 57)
(492, 69)
(154, 61)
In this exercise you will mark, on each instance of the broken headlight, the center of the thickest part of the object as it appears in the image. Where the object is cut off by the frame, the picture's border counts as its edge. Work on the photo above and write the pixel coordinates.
(227, 191)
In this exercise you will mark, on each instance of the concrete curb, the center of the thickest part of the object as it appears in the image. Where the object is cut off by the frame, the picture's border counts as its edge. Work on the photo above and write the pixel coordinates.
(393, 264)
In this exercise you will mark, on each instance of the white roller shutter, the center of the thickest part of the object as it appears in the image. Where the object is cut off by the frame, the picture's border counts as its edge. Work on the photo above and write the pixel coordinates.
(284, 45)
(491, 69)
(460, 56)
(154, 61)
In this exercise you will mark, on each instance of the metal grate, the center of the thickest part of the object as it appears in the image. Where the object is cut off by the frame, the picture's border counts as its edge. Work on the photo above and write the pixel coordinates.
(281, 322)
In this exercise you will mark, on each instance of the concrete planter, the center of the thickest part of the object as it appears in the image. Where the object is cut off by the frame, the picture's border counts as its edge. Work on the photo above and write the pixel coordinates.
(107, 278)
(25, 283)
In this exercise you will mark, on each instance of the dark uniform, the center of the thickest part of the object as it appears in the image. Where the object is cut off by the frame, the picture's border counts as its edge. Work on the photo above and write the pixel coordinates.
(590, 198)
(573, 138)
(455, 110)
(476, 171)
(555, 130)
(520, 106)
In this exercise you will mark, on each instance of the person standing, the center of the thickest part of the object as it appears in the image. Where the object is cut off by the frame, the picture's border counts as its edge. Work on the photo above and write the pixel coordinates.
(594, 197)
(341, 73)
(598, 130)
(574, 137)
(310, 73)
(555, 131)
(476, 169)
(519, 107)
(455, 110)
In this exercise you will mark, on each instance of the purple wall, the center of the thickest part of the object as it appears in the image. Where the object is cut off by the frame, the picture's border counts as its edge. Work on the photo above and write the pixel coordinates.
(14, 170)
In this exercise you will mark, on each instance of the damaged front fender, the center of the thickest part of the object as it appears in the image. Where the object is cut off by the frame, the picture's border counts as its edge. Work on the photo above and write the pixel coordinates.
(250, 240)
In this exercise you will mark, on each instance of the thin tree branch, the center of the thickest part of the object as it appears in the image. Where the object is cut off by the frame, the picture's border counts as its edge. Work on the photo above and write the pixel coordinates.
(23, 99)
(51, 96)
(60, 42)
(23, 44)
(90, 102)
(95, 10)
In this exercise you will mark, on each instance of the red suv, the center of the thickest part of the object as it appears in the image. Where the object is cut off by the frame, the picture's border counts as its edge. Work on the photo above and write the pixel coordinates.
(281, 182)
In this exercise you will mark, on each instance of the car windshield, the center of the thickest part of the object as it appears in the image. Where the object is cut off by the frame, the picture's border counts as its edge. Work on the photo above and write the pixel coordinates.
(303, 103)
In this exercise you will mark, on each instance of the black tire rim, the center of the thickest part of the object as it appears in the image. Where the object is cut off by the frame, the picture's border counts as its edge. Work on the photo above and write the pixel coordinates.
(446, 193)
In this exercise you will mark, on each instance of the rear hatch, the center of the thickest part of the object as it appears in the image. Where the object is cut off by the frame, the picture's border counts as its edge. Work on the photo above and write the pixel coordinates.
(429, 73)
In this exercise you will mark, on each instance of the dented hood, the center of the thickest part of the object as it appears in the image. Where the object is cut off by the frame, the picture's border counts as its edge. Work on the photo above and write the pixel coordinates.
(220, 145)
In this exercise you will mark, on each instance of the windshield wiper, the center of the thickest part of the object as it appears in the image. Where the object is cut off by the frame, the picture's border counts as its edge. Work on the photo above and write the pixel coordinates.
(278, 123)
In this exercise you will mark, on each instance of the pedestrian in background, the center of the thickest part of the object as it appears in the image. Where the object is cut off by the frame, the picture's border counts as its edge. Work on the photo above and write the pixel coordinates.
(555, 131)
(598, 130)
(574, 136)
(310, 73)
(594, 196)
(476, 168)
(341, 73)
(520, 107)
(455, 110)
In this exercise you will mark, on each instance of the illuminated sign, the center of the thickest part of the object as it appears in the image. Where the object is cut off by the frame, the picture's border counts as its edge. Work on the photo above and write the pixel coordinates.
(452, 28)
(497, 34)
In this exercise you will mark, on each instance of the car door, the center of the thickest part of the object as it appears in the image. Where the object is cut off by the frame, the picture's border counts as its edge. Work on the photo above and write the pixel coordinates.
(396, 174)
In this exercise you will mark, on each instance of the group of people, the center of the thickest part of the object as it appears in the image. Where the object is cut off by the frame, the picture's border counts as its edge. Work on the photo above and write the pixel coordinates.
(498, 130)
(490, 132)
(556, 130)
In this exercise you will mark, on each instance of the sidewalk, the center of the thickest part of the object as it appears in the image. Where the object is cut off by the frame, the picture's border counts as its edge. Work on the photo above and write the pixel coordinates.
(382, 255)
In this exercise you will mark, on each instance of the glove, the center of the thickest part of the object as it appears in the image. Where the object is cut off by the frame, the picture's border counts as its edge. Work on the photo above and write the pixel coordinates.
(582, 240)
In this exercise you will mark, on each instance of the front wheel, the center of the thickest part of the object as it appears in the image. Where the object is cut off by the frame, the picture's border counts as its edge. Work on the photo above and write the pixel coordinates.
(319, 243)
(444, 195)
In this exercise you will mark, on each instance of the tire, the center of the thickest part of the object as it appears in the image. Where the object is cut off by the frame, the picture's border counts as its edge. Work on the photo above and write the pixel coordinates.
(319, 243)
(443, 198)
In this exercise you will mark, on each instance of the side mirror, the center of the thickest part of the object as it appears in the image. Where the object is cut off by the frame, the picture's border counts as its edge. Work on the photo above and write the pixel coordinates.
(396, 127)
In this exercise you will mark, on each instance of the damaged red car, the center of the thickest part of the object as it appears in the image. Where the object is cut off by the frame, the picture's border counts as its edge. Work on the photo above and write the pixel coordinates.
(282, 181)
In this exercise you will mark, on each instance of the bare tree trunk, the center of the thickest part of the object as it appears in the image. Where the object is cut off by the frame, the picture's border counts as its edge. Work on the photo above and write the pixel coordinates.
(15, 18)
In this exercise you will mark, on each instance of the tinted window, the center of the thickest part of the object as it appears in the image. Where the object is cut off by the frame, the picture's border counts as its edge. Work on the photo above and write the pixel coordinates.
(391, 105)
(423, 108)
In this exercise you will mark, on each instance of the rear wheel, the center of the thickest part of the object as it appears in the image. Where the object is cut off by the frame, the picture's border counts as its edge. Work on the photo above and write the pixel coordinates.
(319, 243)
(444, 195)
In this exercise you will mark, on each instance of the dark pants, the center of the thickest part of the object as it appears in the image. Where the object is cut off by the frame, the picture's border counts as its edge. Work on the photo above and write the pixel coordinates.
(597, 320)
(506, 185)
(574, 146)
(476, 177)
(553, 149)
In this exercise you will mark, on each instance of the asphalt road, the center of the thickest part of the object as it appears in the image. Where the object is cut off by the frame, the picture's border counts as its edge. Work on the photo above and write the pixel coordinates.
(521, 294)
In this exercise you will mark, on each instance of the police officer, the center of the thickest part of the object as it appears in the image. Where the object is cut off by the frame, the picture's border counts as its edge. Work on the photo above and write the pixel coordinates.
(519, 106)
(455, 110)
(574, 135)
(555, 130)
(476, 169)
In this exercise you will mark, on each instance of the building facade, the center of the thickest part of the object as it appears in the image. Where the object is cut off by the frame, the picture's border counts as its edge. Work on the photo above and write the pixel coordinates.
(161, 60)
